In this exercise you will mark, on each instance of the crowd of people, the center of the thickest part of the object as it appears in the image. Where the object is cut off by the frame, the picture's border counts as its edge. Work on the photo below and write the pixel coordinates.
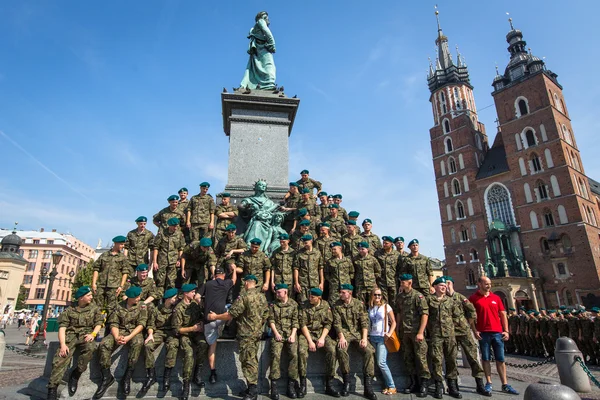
(342, 287)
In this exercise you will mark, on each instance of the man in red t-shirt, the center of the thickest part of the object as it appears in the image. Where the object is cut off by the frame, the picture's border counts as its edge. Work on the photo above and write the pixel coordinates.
(492, 331)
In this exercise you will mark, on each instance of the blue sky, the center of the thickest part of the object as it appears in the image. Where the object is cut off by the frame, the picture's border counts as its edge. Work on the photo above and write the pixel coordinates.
(107, 108)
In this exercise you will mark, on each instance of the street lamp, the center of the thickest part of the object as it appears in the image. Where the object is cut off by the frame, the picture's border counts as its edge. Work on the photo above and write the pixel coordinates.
(38, 346)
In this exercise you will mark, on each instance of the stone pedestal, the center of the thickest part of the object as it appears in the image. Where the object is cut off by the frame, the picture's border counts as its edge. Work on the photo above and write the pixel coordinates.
(258, 125)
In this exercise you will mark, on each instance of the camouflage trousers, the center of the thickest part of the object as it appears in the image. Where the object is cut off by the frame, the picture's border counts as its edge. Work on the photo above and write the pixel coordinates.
(521, 343)
(109, 344)
(367, 352)
(106, 298)
(275, 353)
(194, 348)
(171, 347)
(196, 276)
(536, 344)
(549, 343)
(443, 349)
(388, 293)
(415, 356)
(330, 353)
(61, 364)
(166, 276)
(587, 348)
(469, 349)
(363, 293)
(199, 231)
(248, 348)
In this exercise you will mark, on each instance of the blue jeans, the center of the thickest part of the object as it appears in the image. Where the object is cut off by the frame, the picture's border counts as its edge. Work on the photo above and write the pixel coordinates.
(381, 357)
(493, 340)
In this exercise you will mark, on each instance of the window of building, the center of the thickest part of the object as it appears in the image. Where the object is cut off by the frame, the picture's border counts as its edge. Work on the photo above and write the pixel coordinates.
(36, 241)
(50, 242)
(460, 258)
(536, 164)
(27, 279)
(566, 242)
(548, 217)
(464, 234)
(455, 187)
(446, 126)
(449, 147)
(33, 254)
(583, 188)
(460, 210)
(474, 255)
(22, 253)
(471, 278)
(560, 267)
(453, 235)
(567, 135)
(473, 231)
(452, 165)
(591, 216)
(568, 298)
(558, 103)
(39, 293)
(575, 162)
(499, 204)
(523, 109)
(545, 245)
(542, 190)
(31, 266)
(47, 254)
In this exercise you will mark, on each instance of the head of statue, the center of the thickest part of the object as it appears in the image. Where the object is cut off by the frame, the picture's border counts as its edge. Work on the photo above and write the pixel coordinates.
(261, 15)
(260, 186)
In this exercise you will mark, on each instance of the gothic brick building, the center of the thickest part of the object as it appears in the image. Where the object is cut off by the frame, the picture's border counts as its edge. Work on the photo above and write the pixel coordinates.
(520, 210)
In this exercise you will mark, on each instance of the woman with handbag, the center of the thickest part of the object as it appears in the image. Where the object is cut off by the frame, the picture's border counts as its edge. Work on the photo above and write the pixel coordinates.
(382, 327)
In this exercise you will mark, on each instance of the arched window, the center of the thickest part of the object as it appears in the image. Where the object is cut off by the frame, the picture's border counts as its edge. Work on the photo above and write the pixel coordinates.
(575, 161)
(443, 168)
(549, 161)
(464, 234)
(557, 103)
(544, 245)
(478, 142)
(548, 217)
(555, 185)
(567, 135)
(499, 205)
(566, 242)
(583, 188)
(451, 165)
(473, 231)
(453, 235)
(562, 215)
(542, 190)
(534, 220)
(471, 278)
(522, 166)
(443, 102)
(455, 187)
(474, 255)
(535, 163)
(446, 193)
(449, 211)
(523, 108)
(460, 210)
(446, 126)
(466, 183)
(591, 216)
(460, 258)
(527, 191)
(461, 162)
(530, 138)
(560, 267)
(449, 146)
(470, 206)
(568, 298)
(518, 141)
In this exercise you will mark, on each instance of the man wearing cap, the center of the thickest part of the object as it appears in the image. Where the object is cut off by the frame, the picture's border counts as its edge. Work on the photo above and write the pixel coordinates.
(251, 312)
(367, 272)
(552, 330)
(337, 199)
(281, 263)
(308, 269)
(308, 201)
(187, 322)
(255, 262)
(338, 270)
(198, 262)
(387, 257)
(110, 273)
(351, 240)
(304, 215)
(139, 242)
(336, 222)
(351, 324)
(369, 236)
(201, 214)
(533, 333)
(315, 322)
(513, 329)
(324, 241)
(323, 205)
(126, 324)
(587, 338)
(563, 323)
(297, 234)
(229, 248)
(353, 216)
(522, 338)
(226, 213)
(283, 321)
(399, 243)
(412, 310)
(166, 256)
(290, 206)
(160, 330)
(545, 331)
(149, 290)
(78, 326)
(306, 182)
(161, 218)
(419, 266)
(183, 205)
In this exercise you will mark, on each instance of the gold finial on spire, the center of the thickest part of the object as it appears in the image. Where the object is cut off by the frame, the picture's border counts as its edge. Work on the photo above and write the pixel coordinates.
(437, 17)
(512, 28)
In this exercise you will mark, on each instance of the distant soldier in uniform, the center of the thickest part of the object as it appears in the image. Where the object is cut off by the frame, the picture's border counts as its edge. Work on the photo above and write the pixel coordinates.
(162, 218)
(369, 236)
(283, 321)
(387, 257)
(544, 322)
(138, 245)
(166, 256)
(77, 327)
(160, 330)
(596, 339)
(351, 324)
(296, 236)
(353, 216)
(336, 222)
(533, 334)
(522, 338)
(198, 262)
(226, 213)
(419, 266)
(367, 273)
(315, 322)
(573, 327)
(399, 243)
(183, 205)
(308, 269)
(412, 312)
(513, 328)
(587, 337)
(251, 311)
(553, 330)
(337, 199)
(304, 215)
(323, 205)
(307, 201)
(126, 324)
(282, 260)
(229, 248)
(563, 323)
(306, 182)
(201, 214)
(291, 204)
(324, 241)
(149, 290)
(351, 240)
(110, 273)
(255, 262)
(338, 270)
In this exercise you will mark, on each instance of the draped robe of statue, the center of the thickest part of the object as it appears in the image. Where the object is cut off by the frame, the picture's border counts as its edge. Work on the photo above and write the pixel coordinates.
(265, 218)
(260, 71)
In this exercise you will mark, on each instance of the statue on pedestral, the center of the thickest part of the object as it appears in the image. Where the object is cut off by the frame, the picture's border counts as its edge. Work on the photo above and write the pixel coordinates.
(260, 71)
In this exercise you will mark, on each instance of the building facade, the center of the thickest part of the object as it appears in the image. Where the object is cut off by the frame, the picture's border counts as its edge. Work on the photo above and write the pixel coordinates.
(521, 210)
(12, 268)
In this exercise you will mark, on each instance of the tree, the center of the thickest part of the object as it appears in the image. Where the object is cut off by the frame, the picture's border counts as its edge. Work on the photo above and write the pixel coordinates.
(22, 297)
(83, 277)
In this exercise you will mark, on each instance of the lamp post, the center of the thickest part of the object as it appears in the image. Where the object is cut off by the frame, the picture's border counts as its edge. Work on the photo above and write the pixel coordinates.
(38, 346)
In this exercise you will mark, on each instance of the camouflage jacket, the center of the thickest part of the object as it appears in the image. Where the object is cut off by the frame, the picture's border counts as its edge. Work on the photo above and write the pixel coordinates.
(165, 214)
(148, 287)
(251, 311)
(316, 318)
(127, 319)
(513, 324)
(186, 316)
(281, 266)
(222, 223)
(420, 268)
(137, 246)
(309, 184)
(388, 263)
(467, 312)
(323, 245)
(344, 214)
(169, 245)
(183, 207)
(256, 264)
(313, 209)
(80, 322)
(350, 245)
(161, 318)
(350, 319)
(111, 268)
(367, 271)
(337, 226)
(374, 241)
(225, 246)
(197, 259)
(284, 316)
(338, 271)
(201, 208)
(533, 326)
(308, 264)
(293, 201)
(410, 307)
(442, 313)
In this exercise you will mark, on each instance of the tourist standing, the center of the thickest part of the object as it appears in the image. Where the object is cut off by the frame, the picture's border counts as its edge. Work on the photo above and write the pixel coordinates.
(382, 324)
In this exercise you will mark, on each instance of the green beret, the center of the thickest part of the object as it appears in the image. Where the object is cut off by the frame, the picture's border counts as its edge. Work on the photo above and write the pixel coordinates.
(183, 189)
(511, 309)
(205, 184)
(142, 267)
(173, 221)
(295, 184)
(141, 219)
(566, 312)
(439, 280)
(449, 278)
(133, 292)
(522, 308)
(173, 197)
(82, 291)
(387, 239)
(281, 286)
(206, 242)
(304, 171)
(255, 241)
(363, 244)
(337, 196)
(316, 292)
(334, 206)
(399, 239)
(346, 286)
(535, 313)
(306, 238)
(170, 293)
(353, 214)
(367, 220)
(562, 307)
(284, 236)
(305, 191)
(188, 287)
(596, 309)
(405, 277)
(231, 227)
(119, 239)
(225, 194)
(302, 212)
(330, 197)
(542, 309)
(413, 242)
(335, 244)
(582, 308)
(529, 312)
(250, 277)
(576, 312)
(324, 225)
(305, 223)
(551, 311)
(322, 194)
(351, 222)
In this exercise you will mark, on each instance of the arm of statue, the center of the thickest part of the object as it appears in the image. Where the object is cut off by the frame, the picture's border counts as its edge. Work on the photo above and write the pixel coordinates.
(268, 35)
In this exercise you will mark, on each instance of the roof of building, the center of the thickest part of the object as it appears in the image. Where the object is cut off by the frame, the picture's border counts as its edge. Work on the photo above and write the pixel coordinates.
(594, 186)
(494, 163)
(12, 239)
(10, 256)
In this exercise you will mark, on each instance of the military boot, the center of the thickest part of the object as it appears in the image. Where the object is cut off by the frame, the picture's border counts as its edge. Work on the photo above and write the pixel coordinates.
(369, 394)
(439, 390)
(167, 379)
(291, 388)
(413, 385)
(480, 388)
(73, 381)
(329, 390)
(198, 376)
(302, 389)
(453, 389)
(150, 379)
(127, 381)
(274, 390)
(346, 387)
(186, 390)
(252, 393)
(213, 376)
(422, 393)
(52, 393)
(107, 380)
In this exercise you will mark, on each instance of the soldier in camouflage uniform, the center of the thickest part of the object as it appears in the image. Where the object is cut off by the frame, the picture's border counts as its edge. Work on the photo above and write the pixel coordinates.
(440, 326)
(229, 248)
(337, 199)
(283, 321)
(251, 311)
(522, 337)
(587, 338)
(255, 262)
(160, 330)
(226, 213)
(308, 269)
(574, 328)
(552, 330)
(139, 242)
(290, 206)
(351, 240)
(126, 324)
(544, 332)
(533, 333)
(419, 266)
(297, 234)
(315, 323)
(367, 272)
(596, 339)
(513, 329)
(77, 328)
(187, 321)
(308, 202)
(166, 256)
(370, 237)
(353, 216)
(307, 182)
(304, 215)
(336, 222)
(399, 243)
(351, 324)
(387, 257)
(201, 214)
(109, 276)
(338, 270)
(162, 218)
(562, 323)
(281, 263)
(149, 290)
(198, 262)
(412, 312)
(324, 241)
(323, 205)
(183, 205)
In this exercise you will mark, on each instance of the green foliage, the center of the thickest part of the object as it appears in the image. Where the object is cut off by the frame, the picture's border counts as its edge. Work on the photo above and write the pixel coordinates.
(83, 277)
(21, 298)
